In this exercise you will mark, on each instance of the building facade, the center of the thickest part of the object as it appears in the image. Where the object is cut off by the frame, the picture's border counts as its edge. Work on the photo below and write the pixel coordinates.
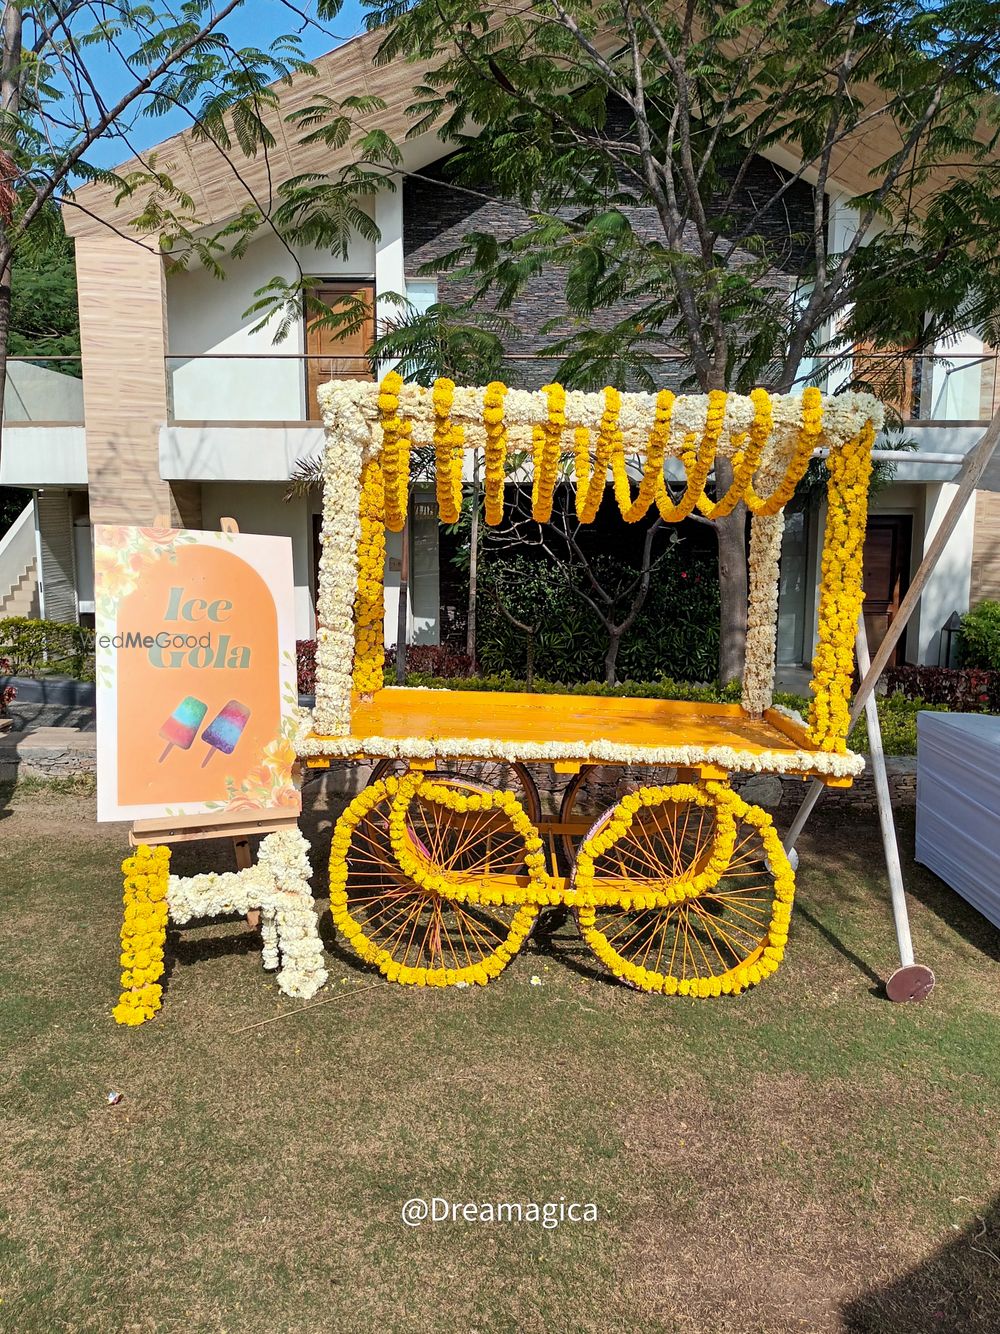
(186, 410)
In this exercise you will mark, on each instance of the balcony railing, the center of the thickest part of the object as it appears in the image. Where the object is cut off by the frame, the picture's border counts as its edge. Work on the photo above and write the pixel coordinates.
(255, 387)
(43, 391)
(918, 388)
(281, 387)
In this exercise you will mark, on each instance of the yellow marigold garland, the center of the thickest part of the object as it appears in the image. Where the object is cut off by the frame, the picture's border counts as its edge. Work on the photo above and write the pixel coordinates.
(590, 485)
(448, 453)
(496, 450)
(546, 444)
(809, 431)
(687, 884)
(745, 460)
(741, 975)
(652, 480)
(369, 600)
(696, 469)
(396, 440)
(842, 593)
(143, 933)
(402, 792)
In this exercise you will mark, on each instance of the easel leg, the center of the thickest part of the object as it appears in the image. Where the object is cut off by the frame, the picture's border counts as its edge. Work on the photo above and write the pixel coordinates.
(910, 981)
(241, 847)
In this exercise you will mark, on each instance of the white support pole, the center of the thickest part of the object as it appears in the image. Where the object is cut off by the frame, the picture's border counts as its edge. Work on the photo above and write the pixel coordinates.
(969, 477)
(883, 800)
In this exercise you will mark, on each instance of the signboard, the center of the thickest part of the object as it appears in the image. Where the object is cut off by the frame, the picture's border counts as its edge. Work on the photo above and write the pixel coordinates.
(196, 677)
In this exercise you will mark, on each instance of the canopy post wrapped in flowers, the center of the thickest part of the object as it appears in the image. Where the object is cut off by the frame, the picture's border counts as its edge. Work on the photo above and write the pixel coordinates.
(768, 439)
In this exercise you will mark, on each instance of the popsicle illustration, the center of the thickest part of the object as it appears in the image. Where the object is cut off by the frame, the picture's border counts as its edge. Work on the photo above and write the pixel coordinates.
(181, 727)
(225, 729)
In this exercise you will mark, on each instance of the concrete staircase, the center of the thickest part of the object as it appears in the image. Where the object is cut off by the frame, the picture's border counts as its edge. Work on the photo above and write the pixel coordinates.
(19, 568)
(22, 600)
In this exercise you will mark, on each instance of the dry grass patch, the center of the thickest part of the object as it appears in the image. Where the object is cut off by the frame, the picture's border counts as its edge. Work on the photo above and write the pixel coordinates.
(798, 1159)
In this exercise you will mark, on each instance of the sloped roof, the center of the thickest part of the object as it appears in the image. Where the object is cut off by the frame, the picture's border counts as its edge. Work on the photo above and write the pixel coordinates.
(204, 172)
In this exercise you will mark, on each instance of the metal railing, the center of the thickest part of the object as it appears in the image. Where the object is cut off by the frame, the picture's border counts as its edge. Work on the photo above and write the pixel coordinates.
(921, 388)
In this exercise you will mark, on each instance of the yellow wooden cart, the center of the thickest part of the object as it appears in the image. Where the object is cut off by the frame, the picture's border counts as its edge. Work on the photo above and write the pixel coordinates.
(440, 866)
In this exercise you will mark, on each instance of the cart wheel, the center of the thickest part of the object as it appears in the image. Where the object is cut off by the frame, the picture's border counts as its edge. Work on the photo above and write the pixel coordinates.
(647, 914)
(594, 788)
(498, 775)
(430, 936)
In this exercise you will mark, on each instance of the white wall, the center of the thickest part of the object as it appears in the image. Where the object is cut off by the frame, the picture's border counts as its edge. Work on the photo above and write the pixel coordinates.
(947, 589)
(206, 315)
(259, 508)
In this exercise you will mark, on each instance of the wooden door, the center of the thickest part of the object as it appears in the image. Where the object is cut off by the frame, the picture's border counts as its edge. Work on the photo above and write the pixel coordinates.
(336, 354)
(886, 576)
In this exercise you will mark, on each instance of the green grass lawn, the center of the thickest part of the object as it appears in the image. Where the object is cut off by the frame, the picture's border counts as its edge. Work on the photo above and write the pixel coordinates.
(807, 1157)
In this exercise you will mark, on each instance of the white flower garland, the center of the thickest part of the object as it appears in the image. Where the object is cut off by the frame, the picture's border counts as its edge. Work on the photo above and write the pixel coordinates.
(596, 752)
(766, 531)
(350, 438)
(278, 886)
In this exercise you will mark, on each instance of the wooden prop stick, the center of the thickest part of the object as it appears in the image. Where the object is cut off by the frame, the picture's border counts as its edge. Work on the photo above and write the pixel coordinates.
(976, 463)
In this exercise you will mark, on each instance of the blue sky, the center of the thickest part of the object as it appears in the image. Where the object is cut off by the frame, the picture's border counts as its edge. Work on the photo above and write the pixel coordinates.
(256, 23)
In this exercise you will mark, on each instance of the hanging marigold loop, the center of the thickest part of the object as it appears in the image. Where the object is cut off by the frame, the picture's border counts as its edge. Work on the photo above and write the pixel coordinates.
(546, 444)
(448, 453)
(609, 439)
(496, 450)
(808, 433)
(652, 482)
(396, 442)
(745, 460)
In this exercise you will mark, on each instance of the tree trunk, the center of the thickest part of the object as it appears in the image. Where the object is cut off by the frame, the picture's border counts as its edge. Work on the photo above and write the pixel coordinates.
(470, 631)
(731, 534)
(402, 615)
(611, 657)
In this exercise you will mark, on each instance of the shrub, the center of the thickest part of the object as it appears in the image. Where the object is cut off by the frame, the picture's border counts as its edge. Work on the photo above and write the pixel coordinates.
(897, 718)
(676, 634)
(47, 648)
(429, 659)
(964, 689)
(433, 659)
(7, 693)
(305, 664)
(979, 641)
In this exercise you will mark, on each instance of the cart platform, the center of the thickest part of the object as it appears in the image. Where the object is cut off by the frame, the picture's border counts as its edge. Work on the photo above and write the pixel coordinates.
(713, 740)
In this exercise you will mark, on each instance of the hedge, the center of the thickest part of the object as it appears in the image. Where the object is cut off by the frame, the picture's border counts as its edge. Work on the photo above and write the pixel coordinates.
(961, 689)
(47, 648)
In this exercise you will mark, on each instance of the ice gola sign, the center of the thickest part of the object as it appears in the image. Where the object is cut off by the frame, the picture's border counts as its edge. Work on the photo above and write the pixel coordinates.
(173, 646)
(195, 672)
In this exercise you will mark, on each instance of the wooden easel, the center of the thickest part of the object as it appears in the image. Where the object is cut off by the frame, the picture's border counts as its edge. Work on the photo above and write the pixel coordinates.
(189, 828)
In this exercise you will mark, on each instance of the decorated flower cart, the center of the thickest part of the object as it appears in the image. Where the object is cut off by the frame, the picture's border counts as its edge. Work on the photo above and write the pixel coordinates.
(440, 866)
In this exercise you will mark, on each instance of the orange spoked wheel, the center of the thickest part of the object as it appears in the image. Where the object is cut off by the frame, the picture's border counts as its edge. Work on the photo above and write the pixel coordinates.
(596, 787)
(685, 891)
(430, 879)
(500, 775)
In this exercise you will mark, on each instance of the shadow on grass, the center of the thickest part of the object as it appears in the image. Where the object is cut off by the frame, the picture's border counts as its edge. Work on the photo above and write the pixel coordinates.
(855, 840)
(7, 786)
(833, 939)
(956, 1289)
